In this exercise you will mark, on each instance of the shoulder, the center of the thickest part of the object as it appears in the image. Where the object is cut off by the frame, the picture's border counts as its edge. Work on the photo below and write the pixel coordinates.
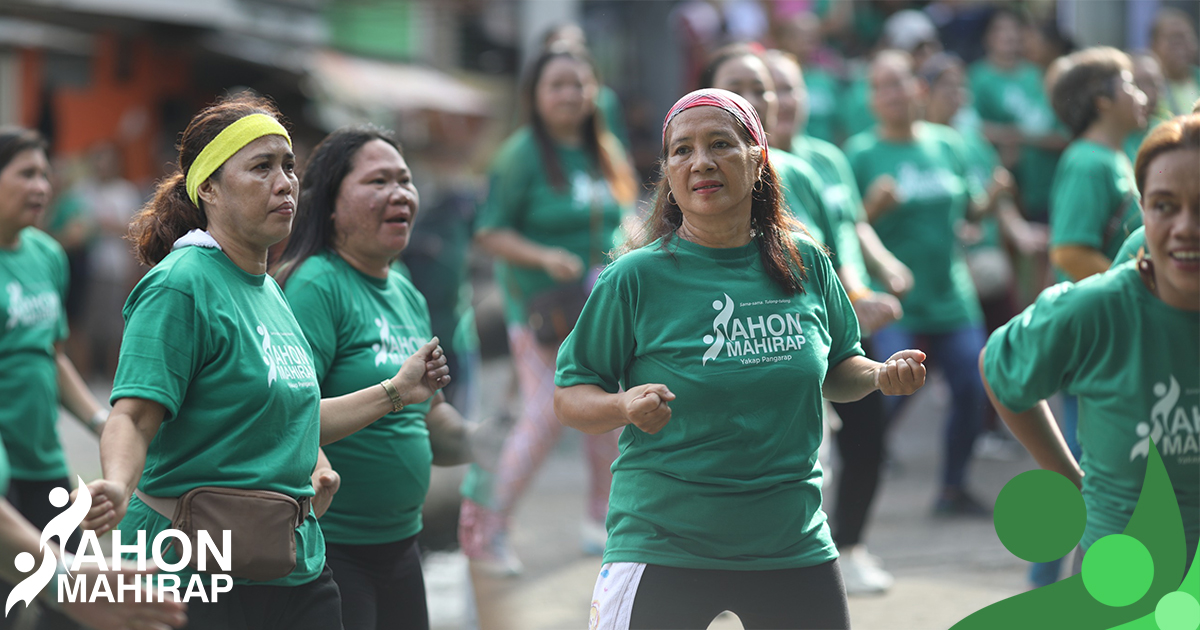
(826, 149)
(979, 70)
(860, 143)
(1086, 157)
(519, 148)
(316, 270)
(1090, 298)
(408, 290)
(183, 269)
(42, 243)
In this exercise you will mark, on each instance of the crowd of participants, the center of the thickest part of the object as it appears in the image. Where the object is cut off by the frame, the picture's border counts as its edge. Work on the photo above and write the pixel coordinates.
(887, 214)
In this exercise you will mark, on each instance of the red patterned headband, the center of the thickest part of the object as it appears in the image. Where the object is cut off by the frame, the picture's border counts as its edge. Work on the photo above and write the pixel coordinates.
(728, 101)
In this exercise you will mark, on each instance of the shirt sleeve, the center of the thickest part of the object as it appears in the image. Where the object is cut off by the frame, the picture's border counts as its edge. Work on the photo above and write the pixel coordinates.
(1034, 355)
(1081, 203)
(315, 309)
(153, 365)
(846, 174)
(602, 344)
(508, 183)
(844, 334)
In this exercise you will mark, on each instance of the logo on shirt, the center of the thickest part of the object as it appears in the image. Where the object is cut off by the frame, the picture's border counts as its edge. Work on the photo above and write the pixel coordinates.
(914, 183)
(753, 340)
(30, 310)
(1171, 427)
(286, 361)
(393, 349)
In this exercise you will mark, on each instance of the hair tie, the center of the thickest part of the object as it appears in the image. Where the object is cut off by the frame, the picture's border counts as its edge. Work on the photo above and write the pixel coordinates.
(231, 140)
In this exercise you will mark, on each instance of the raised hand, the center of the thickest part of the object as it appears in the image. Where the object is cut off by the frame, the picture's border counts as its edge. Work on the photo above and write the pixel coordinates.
(422, 374)
(877, 310)
(902, 374)
(109, 502)
(562, 265)
(646, 406)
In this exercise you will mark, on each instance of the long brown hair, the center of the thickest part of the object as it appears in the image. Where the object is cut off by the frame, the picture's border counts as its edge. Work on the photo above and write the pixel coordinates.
(171, 213)
(774, 226)
(600, 145)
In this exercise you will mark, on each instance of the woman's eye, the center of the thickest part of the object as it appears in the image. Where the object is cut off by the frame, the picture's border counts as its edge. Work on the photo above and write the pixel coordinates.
(379, 181)
(681, 150)
(720, 144)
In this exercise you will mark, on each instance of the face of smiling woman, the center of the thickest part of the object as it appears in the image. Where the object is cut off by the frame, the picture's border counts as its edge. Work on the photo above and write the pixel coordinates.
(1171, 214)
(711, 168)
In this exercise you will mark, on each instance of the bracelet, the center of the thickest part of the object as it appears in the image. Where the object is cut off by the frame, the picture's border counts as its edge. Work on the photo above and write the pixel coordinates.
(98, 419)
(859, 294)
(393, 395)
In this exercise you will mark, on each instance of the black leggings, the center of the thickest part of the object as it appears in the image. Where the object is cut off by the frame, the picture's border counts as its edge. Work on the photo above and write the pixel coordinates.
(860, 443)
(670, 598)
(382, 585)
(311, 606)
(32, 500)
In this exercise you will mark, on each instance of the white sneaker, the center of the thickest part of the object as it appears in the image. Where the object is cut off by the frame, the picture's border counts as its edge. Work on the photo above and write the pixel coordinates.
(593, 537)
(862, 576)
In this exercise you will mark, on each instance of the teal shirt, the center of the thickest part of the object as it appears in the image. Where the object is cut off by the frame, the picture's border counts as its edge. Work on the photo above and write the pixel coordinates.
(1017, 97)
(854, 107)
(33, 288)
(220, 350)
(799, 184)
(1095, 199)
(362, 329)
(842, 202)
(521, 198)
(732, 481)
(823, 92)
(1131, 360)
(933, 190)
(1131, 246)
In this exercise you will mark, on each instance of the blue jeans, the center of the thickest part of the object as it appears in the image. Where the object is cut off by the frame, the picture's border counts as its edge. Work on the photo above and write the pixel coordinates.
(956, 354)
(1046, 573)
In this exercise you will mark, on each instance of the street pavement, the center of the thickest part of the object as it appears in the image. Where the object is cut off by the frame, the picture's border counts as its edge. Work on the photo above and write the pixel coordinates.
(945, 569)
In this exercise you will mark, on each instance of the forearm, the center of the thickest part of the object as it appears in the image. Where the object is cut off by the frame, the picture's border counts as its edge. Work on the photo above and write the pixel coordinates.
(123, 449)
(322, 463)
(17, 536)
(589, 409)
(1079, 261)
(511, 246)
(73, 393)
(875, 255)
(447, 434)
(344, 415)
(850, 380)
(1036, 429)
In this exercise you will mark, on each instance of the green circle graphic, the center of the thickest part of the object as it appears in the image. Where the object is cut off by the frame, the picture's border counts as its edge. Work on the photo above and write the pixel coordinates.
(1177, 611)
(1040, 516)
(1117, 570)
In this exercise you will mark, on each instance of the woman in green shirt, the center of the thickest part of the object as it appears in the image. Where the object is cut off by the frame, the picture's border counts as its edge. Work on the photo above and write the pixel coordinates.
(1134, 390)
(710, 342)
(215, 384)
(552, 214)
(1093, 204)
(363, 320)
(35, 374)
(933, 193)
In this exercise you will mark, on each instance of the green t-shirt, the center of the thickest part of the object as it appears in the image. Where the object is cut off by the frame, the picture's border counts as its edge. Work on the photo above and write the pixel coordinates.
(521, 198)
(842, 201)
(1095, 199)
(34, 281)
(732, 481)
(823, 90)
(1129, 249)
(1017, 97)
(982, 161)
(799, 184)
(854, 108)
(933, 190)
(361, 330)
(4, 469)
(220, 349)
(1132, 388)
(609, 108)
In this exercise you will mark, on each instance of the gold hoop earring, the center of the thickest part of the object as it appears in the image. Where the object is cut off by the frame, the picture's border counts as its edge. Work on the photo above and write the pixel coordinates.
(671, 198)
(759, 187)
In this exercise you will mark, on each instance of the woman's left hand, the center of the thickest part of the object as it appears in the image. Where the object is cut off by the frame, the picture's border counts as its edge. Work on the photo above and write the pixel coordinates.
(902, 374)
(423, 374)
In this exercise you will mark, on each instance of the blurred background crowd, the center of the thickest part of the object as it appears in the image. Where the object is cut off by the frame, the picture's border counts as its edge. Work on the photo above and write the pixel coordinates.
(111, 83)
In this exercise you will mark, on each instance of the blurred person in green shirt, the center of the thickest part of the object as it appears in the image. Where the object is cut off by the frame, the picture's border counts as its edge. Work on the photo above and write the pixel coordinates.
(1173, 41)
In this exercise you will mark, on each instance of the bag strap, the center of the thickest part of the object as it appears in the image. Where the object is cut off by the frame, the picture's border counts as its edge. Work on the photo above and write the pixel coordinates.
(166, 506)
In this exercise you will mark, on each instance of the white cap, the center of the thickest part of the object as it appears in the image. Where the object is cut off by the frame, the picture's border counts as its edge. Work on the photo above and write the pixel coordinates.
(908, 29)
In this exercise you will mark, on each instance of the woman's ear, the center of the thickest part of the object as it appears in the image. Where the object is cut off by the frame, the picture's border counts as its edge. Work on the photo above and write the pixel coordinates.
(207, 191)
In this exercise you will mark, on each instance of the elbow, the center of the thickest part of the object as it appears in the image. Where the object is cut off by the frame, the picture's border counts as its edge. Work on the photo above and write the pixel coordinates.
(561, 407)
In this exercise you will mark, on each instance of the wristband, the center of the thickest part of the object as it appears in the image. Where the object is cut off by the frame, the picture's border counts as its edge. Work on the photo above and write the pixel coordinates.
(98, 419)
(392, 394)
(859, 294)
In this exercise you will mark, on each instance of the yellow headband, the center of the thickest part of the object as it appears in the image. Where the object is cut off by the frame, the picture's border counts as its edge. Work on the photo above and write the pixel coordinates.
(231, 140)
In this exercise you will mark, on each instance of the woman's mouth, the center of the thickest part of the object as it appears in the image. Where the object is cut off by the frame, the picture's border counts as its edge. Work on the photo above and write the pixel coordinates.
(1188, 259)
(707, 187)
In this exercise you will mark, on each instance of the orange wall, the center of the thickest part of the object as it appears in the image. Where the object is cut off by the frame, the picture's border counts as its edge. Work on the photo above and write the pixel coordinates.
(85, 117)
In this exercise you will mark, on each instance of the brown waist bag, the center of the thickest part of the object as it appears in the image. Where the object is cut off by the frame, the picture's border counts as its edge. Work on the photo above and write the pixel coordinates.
(262, 526)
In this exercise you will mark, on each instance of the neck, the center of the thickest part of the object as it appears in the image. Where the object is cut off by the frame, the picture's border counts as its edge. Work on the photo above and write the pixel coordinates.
(1107, 134)
(1004, 62)
(10, 237)
(370, 266)
(898, 132)
(716, 232)
(571, 137)
(1157, 284)
(248, 257)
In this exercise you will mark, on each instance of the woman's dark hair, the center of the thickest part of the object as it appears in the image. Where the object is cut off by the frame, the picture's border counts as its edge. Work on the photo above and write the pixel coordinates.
(170, 213)
(1181, 132)
(708, 75)
(598, 143)
(769, 217)
(330, 162)
(1078, 79)
(14, 140)
(932, 70)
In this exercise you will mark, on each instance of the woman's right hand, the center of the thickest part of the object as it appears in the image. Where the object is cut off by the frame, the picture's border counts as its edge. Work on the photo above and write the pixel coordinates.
(881, 197)
(646, 406)
(876, 311)
(109, 503)
(422, 374)
(562, 265)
